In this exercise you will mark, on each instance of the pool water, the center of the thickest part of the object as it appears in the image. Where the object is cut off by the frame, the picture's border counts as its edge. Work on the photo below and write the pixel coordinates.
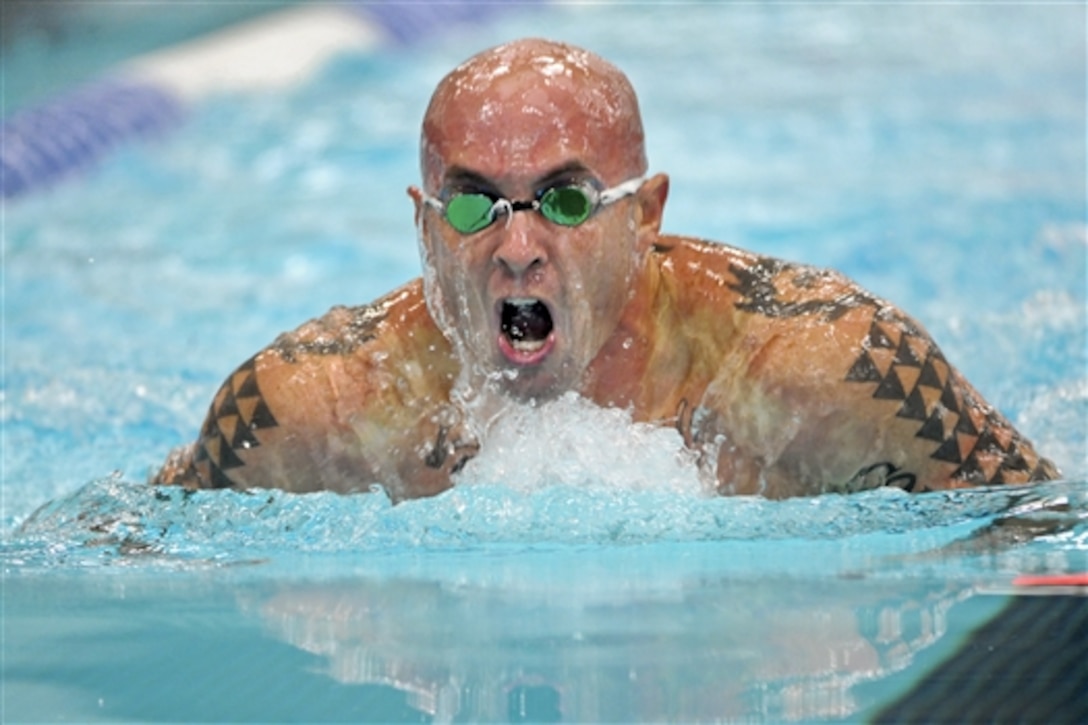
(936, 154)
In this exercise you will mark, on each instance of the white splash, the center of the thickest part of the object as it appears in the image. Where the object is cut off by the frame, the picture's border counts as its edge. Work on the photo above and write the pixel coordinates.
(573, 442)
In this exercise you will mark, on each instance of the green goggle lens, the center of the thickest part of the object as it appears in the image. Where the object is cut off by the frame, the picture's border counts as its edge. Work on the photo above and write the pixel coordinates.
(469, 213)
(566, 205)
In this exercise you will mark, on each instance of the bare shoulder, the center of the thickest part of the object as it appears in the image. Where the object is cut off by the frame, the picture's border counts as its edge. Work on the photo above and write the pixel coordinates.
(823, 385)
(340, 403)
(760, 284)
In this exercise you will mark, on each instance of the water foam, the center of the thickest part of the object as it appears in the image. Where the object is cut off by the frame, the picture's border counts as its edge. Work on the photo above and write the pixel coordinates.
(573, 442)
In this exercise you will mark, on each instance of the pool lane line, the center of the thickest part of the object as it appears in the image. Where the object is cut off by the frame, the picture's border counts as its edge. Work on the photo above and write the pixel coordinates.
(153, 93)
(1031, 585)
(1051, 580)
(41, 145)
(408, 22)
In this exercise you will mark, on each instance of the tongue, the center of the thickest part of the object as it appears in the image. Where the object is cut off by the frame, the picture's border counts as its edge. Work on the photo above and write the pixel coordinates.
(527, 323)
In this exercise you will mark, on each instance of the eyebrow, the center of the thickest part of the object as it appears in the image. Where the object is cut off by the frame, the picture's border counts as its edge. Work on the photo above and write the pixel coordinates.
(461, 177)
(569, 170)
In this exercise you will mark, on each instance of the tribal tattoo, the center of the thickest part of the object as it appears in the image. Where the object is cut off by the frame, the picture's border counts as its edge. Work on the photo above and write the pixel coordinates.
(340, 332)
(760, 295)
(908, 370)
(237, 413)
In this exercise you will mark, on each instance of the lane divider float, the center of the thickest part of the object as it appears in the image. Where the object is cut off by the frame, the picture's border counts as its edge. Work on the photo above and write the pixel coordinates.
(153, 93)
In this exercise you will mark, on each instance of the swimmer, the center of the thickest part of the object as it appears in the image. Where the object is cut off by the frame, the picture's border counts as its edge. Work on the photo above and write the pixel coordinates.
(546, 272)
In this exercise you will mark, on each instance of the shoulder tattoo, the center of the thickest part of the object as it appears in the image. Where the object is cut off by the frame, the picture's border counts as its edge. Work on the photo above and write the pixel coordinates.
(758, 287)
(236, 414)
(340, 331)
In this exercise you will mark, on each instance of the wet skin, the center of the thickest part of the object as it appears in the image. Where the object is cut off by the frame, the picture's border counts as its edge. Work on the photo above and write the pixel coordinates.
(788, 380)
(513, 123)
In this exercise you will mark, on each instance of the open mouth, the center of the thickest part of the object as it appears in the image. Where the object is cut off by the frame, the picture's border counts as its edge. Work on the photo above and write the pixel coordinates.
(526, 324)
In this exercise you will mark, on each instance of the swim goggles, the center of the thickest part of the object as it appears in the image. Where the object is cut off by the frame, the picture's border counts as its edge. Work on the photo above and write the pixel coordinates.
(567, 205)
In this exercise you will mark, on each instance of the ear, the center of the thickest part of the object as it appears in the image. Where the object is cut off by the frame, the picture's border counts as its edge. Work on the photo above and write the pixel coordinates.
(651, 201)
(417, 198)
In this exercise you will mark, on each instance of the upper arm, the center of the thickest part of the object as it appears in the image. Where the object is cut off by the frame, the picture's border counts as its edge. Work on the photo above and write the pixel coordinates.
(839, 390)
(349, 400)
(938, 431)
(255, 434)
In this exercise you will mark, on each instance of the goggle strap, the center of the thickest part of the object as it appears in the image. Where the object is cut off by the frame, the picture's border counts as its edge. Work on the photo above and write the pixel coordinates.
(619, 191)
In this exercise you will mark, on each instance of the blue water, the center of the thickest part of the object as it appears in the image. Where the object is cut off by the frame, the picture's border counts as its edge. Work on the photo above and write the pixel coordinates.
(934, 153)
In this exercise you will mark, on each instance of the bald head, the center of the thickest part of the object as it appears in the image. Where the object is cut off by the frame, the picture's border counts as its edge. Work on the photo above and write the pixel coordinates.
(505, 109)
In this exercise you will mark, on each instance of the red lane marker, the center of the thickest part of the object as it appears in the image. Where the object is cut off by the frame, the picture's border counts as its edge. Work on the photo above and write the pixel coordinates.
(1051, 580)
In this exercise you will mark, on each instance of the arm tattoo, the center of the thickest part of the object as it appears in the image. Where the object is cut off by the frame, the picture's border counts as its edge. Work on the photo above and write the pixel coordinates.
(237, 413)
(907, 369)
(881, 474)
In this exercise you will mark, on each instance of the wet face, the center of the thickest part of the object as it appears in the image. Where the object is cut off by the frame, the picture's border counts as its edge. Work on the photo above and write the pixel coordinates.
(528, 302)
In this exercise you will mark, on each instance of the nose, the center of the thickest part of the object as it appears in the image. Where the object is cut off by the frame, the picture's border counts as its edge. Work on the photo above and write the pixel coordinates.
(520, 249)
